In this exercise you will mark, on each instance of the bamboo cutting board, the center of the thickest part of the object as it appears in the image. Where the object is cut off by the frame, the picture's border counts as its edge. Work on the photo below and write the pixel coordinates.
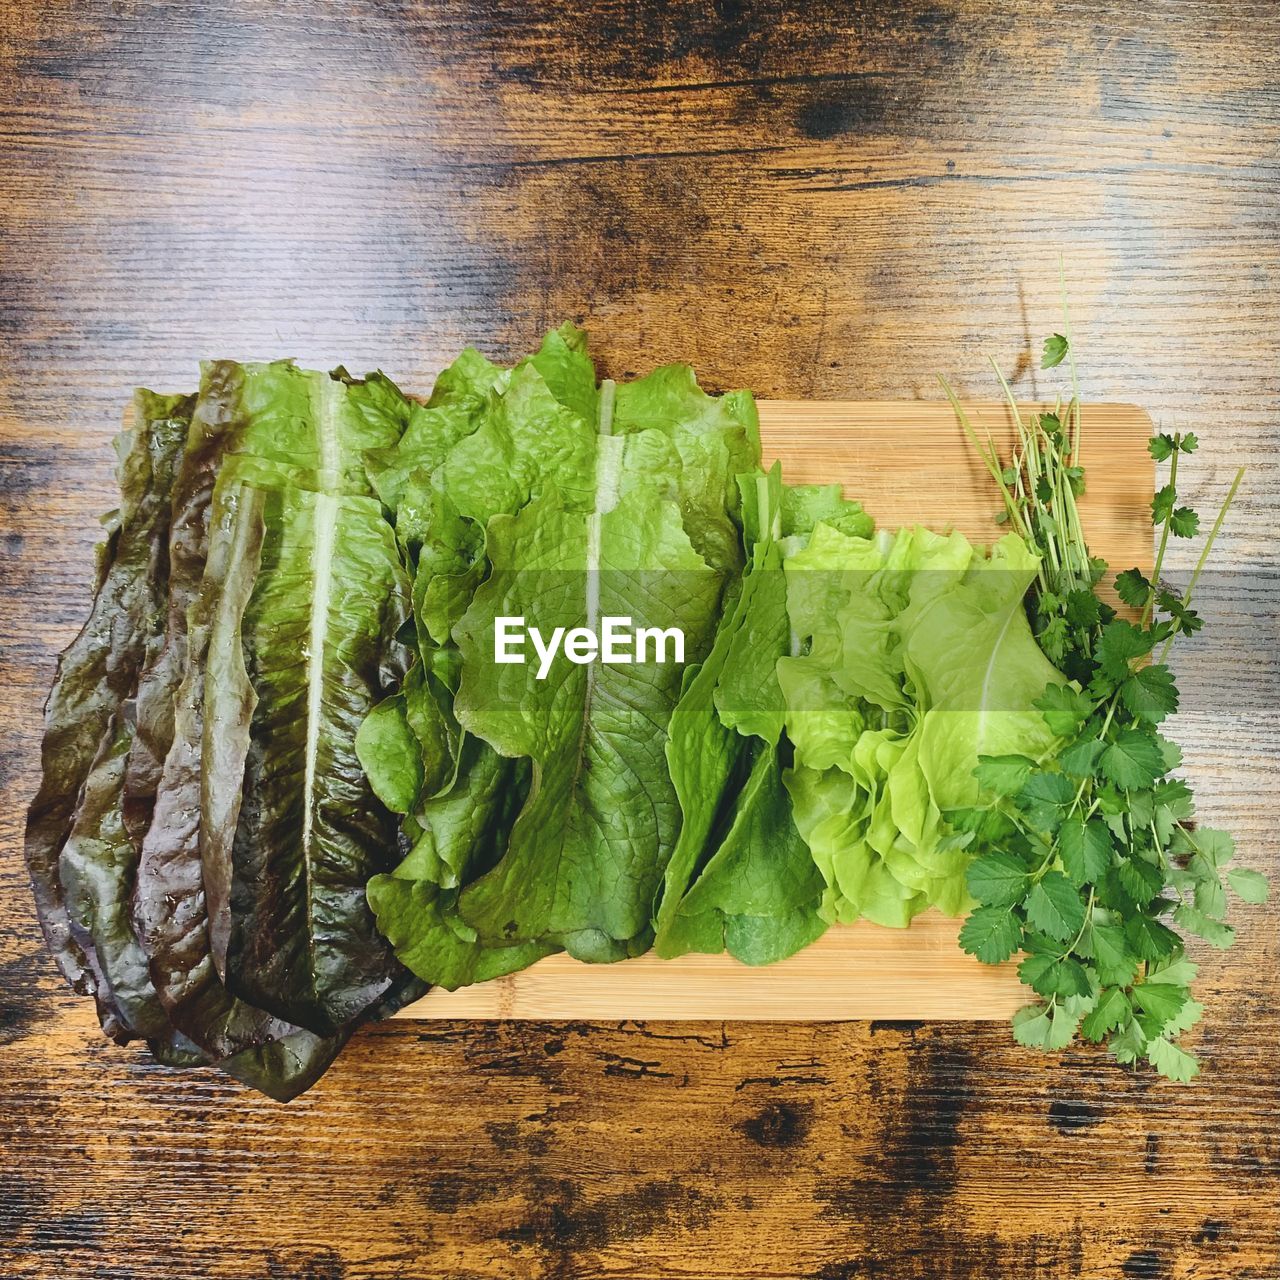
(907, 463)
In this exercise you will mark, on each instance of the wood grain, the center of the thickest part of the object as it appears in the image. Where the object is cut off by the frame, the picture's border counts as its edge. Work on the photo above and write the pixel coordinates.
(853, 972)
(907, 463)
(820, 201)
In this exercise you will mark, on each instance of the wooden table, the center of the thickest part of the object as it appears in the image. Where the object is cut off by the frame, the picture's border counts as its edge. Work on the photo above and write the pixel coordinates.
(828, 201)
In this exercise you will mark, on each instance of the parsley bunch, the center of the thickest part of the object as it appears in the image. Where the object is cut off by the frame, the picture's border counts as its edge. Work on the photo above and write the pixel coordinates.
(1094, 866)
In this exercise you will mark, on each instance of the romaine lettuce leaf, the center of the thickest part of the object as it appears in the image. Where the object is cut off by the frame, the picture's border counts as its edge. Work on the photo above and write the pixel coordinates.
(278, 427)
(319, 633)
(251, 423)
(96, 674)
(97, 868)
(586, 853)
(757, 896)
(458, 836)
(517, 497)
(188, 547)
(740, 877)
(717, 439)
(275, 427)
(541, 425)
(169, 911)
(456, 408)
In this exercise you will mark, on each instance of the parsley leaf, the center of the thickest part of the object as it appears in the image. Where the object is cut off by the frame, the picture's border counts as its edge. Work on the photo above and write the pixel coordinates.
(1162, 1000)
(1210, 896)
(1081, 758)
(1111, 1011)
(1186, 1018)
(1149, 694)
(1133, 588)
(1003, 775)
(998, 879)
(1053, 638)
(1049, 975)
(1055, 351)
(1085, 849)
(1132, 760)
(1084, 853)
(1045, 800)
(1054, 907)
(992, 934)
(1142, 881)
(1214, 932)
(1119, 643)
(1082, 608)
(1170, 1061)
(1112, 956)
(1174, 795)
(1129, 1043)
(1187, 621)
(1150, 938)
(1218, 847)
(1064, 708)
(1250, 886)
(1044, 1026)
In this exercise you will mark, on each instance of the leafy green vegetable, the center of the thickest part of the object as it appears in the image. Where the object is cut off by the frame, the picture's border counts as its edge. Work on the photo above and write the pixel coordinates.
(1003, 775)
(169, 902)
(562, 502)
(273, 426)
(464, 833)
(1112, 851)
(96, 674)
(740, 878)
(157, 805)
(319, 631)
(920, 670)
(1055, 350)
(282, 750)
(585, 855)
(998, 878)
(992, 933)
(188, 544)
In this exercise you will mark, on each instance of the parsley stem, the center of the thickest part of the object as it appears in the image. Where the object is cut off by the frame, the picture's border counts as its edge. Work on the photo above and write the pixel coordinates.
(1073, 410)
(991, 460)
(1102, 733)
(1031, 463)
(1204, 553)
(1088, 919)
(1164, 534)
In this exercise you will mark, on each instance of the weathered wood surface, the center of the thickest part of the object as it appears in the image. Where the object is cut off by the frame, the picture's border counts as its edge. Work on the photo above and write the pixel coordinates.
(822, 201)
(908, 463)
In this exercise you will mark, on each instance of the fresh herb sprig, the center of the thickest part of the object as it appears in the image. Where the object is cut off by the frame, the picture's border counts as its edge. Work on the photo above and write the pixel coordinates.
(1099, 869)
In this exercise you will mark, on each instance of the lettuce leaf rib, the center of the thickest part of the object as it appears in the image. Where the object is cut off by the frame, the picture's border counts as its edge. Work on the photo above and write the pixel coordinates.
(324, 613)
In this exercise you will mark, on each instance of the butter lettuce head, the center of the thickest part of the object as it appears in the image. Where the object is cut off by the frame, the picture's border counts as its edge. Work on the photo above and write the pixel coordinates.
(919, 659)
